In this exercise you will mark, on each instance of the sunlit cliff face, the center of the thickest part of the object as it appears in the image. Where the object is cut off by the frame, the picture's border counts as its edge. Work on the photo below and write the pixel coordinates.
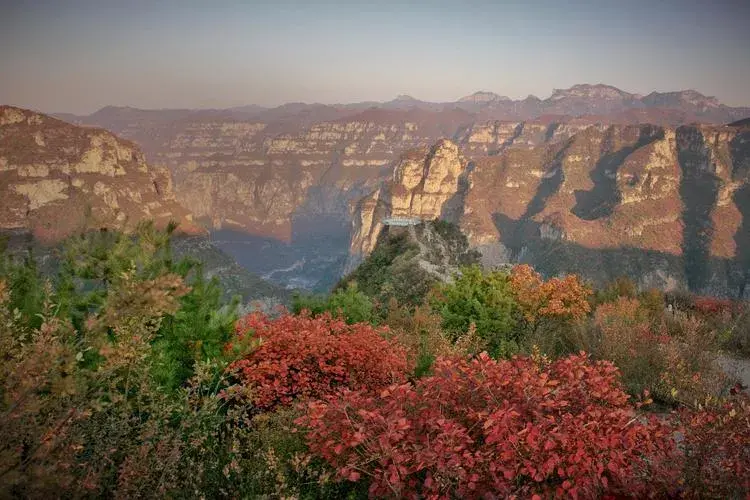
(58, 178)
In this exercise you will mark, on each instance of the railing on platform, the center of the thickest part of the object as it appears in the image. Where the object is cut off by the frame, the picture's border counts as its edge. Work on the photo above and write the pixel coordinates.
(401, 221)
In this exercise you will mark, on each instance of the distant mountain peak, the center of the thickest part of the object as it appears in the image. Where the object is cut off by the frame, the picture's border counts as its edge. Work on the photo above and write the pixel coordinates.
(405, 97)
(680, 97)
(587, 90)
(483, 96)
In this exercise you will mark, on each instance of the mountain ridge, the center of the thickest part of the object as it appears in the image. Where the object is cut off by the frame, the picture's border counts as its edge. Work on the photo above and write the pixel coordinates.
(483, 98)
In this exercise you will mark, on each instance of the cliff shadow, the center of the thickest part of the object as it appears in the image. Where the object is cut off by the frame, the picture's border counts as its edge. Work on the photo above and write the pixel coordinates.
(605, 195)
(544, 246)
(550, 184)
(699, 188)
(453, 208)
(534, 243)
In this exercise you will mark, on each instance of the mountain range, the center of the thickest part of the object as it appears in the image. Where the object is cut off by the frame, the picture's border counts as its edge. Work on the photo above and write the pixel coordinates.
(594, 100)
(651, 186)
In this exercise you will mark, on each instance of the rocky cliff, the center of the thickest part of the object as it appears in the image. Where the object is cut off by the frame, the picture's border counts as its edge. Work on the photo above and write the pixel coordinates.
(57, 178)
(668, 206)
(278, 186)
(283, 191)
(426, 184)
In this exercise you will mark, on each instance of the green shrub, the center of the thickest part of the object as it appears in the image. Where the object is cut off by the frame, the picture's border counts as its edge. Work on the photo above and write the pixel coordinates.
(349, 303)
(484, 300)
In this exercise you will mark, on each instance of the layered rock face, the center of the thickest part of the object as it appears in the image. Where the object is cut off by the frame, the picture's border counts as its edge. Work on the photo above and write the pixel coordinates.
(426, 184)
(667, 206)
(57, 178)
(256, 177)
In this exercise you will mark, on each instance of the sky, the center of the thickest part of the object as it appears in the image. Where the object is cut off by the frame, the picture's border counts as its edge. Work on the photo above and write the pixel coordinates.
(80, 55)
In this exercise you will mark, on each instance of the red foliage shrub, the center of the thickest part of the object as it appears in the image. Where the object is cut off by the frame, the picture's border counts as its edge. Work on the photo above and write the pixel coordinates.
(496, 428)
(710, 306)
(301, 357)
(717, 450)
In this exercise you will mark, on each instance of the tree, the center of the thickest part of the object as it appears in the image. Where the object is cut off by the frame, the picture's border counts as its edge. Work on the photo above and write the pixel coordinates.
(563, 298)
(484, 300)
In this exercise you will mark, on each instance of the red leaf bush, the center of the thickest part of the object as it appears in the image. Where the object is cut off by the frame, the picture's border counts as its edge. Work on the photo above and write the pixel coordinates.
(305, 357)
(496, 428)
(717, 450)
(710, 306)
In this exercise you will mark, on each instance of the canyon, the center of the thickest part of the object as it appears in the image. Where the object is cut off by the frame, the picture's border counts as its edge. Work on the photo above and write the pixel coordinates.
(592, 177)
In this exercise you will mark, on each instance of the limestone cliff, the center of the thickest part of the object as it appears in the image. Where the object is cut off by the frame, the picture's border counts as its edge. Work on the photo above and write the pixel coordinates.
(257, 177)
(668, 206)
(57, 178)
(426, 185)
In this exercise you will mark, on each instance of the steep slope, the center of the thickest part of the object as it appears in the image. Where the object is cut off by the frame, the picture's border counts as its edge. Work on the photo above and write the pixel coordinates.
(407, 261)
(667, 206)
(57, 178)
(427, 183)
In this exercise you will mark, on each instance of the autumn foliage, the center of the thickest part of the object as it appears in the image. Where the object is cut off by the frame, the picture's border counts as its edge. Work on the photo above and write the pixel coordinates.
(306, 357)
(717, 449)
(712, 306)
(487, 428)
(565, 297)
(116, 377)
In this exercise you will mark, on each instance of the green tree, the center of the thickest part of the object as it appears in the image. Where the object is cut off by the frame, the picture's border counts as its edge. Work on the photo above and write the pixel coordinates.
(26, 287)
(91, 265)
(485, 300)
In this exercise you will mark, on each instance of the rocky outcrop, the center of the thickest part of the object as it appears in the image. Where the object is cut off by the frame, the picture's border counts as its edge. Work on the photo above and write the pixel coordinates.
(57, 178)
(408, 261)
(426, 185)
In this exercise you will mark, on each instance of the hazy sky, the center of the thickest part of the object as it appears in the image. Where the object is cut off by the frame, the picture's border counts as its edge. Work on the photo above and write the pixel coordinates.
(77, 56)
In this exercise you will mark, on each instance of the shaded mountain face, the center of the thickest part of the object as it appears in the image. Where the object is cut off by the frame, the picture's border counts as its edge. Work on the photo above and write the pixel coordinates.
(667, 206)
(57, 179)
(278, 187)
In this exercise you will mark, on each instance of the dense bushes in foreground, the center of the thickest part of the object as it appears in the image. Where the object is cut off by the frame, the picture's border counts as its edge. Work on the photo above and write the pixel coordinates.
(121, 377)
(483, 427)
